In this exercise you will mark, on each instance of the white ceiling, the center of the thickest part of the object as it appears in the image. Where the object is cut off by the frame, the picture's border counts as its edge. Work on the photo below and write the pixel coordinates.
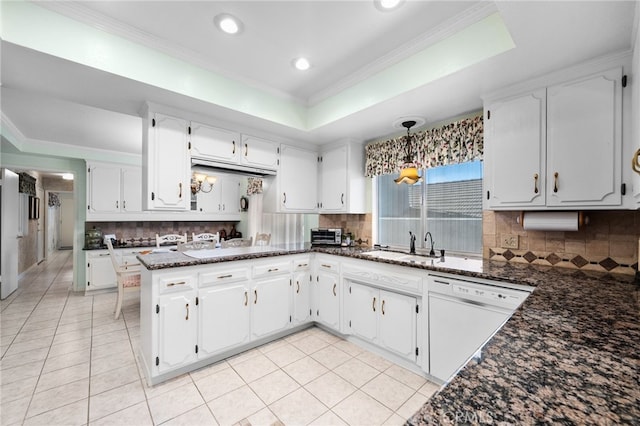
(51, 99)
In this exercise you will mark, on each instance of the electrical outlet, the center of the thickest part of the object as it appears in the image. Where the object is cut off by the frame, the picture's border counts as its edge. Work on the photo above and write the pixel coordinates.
(509, 241)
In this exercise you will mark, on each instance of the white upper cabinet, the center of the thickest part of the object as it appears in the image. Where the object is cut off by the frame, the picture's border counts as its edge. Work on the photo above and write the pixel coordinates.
(515, 151)
(342, 185)
(584, 141)
(113, 191)
(224, 197)
(558, 147)
(294, 188)
(259, 153)
(214, 143)
(166, 163)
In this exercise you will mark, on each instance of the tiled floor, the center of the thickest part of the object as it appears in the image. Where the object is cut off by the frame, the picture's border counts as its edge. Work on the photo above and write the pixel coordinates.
(65, 360)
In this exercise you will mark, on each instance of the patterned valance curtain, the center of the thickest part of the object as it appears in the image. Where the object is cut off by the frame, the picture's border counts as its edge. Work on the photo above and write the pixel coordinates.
(54, 200)
(254, 186)
(456, 142)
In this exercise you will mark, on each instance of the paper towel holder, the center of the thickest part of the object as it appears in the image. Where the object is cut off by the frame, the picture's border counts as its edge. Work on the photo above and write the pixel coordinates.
(583, 219)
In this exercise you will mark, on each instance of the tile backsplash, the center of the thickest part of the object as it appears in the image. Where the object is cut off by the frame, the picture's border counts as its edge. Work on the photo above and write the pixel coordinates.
(608, 242)
(359, 225)
(148, 230)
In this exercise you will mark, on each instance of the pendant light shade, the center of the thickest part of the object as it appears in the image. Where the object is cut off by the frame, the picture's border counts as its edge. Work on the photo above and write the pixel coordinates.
(409, 171)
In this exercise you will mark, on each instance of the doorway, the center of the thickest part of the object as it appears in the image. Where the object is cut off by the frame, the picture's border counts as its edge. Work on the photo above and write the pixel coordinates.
(67, 221)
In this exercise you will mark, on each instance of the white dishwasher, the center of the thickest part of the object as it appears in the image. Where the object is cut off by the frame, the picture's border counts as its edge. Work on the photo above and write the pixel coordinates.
(463, 315)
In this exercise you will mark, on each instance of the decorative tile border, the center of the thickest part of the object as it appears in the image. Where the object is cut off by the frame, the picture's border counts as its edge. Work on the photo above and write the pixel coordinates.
(565, 261)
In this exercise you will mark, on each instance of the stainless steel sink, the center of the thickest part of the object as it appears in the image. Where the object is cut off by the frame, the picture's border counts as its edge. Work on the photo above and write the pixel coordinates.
(451, 262)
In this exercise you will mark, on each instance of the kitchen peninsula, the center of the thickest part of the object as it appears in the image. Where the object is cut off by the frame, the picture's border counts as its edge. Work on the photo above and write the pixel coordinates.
(569, 353)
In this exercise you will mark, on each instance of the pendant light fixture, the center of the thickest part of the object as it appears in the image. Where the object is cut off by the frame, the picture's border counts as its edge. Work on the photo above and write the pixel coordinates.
(409, 171)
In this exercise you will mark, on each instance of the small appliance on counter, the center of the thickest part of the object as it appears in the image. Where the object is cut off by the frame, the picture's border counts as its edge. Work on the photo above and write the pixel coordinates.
(326, 237)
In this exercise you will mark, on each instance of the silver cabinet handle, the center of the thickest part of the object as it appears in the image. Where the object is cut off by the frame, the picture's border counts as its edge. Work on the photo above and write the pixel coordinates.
(373, 305)
(297, 286)
(234, 147)
(255, 292)
(382, 306)
(221, 277)
(246, 298)
(334, 289)
(178, 283)
(187, 318)
(273, 270)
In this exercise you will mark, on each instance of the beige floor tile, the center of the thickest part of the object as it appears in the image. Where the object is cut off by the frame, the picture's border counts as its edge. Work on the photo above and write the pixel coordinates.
(209, 370)
(263, 417)
(108, 363)
(66, 360)
(111, 337)
(169, 385)
(376, 361)
(63, 376)
(330, 389)
(356, 372)
(218, 384)
(13, 412)
(72, 414)
(273, 386)
(268, 347)
(310, 344)
(298, 408)
(137, 415)
(174, 403)
(21, 372)
(305, 370)
(243, 356)
(23, 358)
(113, 325)
(328, 419)
(35, 334)
(58, 396)
(29, 345)
(254, 368)
(198, 416)
(235, 406)
(115, 399)
(325, 335)
(331, 357)
(412, 405)
(409, 378)
(395, 420)
(120, 347)
(114, 379)
(19, 389)
(67, 348)
(361, 409)
(429, 388)
(348, 347)
(388, 391)
(285, 355)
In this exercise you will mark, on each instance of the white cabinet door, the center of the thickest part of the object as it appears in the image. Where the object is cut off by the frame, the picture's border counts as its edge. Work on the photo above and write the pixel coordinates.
(301, 297)
(515, 134)
(333, 179)
(271, 308)
(168, 164)
(131, 190)
(259, 152)
(223, 198)
(584, 141)
(363, 304)
(397, 324)
(104, 188)
(214, 143)
(327, 303)
(298, 179)
(100, 272)
(177, 330)
(224, 318)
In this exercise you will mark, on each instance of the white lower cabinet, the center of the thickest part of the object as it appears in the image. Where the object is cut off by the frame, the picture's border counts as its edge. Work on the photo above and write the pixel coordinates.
(178, 322)
(100, 272)
(301, 297)
(384, 318)
(270, 311)
(224, 318)
(326, 294)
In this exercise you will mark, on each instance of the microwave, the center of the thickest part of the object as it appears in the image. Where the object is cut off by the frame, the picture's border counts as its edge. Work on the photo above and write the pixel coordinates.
(326, 237)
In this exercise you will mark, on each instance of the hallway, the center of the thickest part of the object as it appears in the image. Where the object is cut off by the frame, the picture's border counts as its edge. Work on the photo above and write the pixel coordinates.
(66, 361)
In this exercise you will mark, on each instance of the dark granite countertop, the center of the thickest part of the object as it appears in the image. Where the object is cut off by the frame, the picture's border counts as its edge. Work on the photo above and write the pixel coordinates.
(570, 353)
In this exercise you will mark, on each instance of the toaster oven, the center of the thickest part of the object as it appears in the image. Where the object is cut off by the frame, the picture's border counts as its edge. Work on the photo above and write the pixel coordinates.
(326, 237)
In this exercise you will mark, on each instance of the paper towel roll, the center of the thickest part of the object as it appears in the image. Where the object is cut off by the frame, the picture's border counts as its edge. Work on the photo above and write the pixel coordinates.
(550, 221)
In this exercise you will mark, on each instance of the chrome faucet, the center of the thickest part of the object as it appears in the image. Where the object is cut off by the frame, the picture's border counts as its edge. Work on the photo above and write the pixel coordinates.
(412, 243)
(430, 237)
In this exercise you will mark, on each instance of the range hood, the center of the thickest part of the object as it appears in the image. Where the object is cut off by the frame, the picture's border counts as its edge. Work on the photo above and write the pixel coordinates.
(238, 169)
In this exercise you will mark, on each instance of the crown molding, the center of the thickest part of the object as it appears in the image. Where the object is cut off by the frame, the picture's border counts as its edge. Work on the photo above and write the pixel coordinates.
(11, 132)
(446, 29)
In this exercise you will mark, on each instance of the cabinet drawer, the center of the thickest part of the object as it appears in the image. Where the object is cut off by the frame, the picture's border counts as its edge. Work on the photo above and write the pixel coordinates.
(272, 268)
(328, 265)
(301, 264)
(223, 276)
(175, 283)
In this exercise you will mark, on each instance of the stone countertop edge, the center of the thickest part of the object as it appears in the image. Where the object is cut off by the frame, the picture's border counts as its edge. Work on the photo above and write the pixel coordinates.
(569, 354)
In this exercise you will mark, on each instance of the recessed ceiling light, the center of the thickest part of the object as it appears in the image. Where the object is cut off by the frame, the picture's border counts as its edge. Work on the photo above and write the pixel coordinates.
(67, 176)
(386, 5)
(301, 64)
(228, 23)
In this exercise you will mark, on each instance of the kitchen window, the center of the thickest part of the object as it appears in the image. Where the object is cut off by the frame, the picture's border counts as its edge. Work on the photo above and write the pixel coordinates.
(447, 203)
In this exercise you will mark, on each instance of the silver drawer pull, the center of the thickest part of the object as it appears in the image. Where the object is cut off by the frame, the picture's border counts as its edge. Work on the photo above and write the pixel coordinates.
(324, 265)
(302, 265)
(178, 283)
(220, 277)
(273, 270)
(441, 282)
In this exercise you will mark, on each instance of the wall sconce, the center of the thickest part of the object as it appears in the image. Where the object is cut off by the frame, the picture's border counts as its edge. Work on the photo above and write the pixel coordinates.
(202, 183)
